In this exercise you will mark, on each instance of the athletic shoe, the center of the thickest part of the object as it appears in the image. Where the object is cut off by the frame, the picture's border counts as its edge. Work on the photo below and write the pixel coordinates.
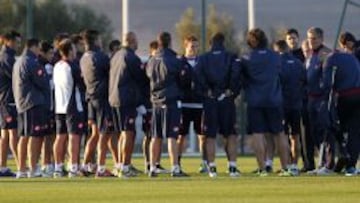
(161, 170)
(35, 174)
(256, 171)
(84, 172)
(234, 172)
(75, 174)
(212, 172)
(285, 173)
(179, 174)
(105, 174)
(134, 170)
(21, 174)
(58, 174)
(152, 174)
(312, 172)
(127, 174)
(262, 173)
(323, 171)
(47, 172)
(7, 173)
(351, 172)
(203, 168)
(340, 164)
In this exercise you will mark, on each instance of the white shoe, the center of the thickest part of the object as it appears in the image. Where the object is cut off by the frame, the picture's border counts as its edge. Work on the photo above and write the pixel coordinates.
(313, 172)
(324, 171)
(34, 174)
(47, 172)
(21, 174)
(234, 172)
(212, 172)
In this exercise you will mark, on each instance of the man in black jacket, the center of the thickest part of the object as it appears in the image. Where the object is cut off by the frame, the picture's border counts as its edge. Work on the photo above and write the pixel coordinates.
(95, 67)
(167, 75)
(217, 73)
(126, 77)
(32, 97)
(8, 114)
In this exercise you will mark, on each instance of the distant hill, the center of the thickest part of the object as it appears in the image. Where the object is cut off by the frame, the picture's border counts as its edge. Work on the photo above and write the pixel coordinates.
(148, 17)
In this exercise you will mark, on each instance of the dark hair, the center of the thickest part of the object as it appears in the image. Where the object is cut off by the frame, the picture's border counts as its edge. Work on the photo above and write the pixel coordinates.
(45, 46)
(33, 42)
(90, 36)
(164, 39)
(76, 38)
(218, 38)
(154, 45)
(292, 31)
(346, 37)
(281, 45)
(11, 35)
(256, 38)
(114, 43)
(65, 46)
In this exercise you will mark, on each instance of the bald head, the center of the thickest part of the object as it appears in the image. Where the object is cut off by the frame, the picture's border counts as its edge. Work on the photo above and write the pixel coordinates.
(131, 41)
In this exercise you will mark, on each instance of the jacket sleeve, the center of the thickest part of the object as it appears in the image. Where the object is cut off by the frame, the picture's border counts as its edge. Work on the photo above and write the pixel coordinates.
(201, 85)
(235, 80)
(328, 70)
(8, 66)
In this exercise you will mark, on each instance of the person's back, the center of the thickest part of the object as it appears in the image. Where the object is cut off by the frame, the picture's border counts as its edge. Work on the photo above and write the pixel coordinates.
(216, 67)
(126, 77)
(262, 81)
(95, 69)
(347, 71)
(163, 71)
(293, 78)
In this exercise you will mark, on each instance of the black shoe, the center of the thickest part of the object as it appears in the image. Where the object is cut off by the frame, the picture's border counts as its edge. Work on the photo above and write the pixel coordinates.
(269, 169)
(340, 164)
(152, 174)
(179, 174)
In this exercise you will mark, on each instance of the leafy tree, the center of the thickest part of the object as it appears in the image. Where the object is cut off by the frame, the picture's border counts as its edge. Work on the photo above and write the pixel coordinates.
(52, 17)
(188, 24)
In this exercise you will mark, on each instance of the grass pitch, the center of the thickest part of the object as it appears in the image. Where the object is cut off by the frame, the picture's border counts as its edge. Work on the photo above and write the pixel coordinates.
(197, 188)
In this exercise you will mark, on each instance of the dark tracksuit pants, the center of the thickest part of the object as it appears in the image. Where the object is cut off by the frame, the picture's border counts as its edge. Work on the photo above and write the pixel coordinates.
(319, 130)
(349, 113)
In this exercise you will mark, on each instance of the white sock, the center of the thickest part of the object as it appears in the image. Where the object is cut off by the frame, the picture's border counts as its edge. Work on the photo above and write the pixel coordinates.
(232, 164)
(125, 168)
(212, 164)
(118, 166)
(101, 169)
(204, 162)
(3, 169)
(59, 167)
(153, 168)
(269, 162)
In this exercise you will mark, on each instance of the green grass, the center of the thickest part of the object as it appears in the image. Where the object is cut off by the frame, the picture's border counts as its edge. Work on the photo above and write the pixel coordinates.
(197, 188)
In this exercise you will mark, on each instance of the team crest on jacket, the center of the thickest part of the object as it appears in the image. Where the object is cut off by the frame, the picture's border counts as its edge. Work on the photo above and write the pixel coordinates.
(39, 72)
(37, 128)
(8, 119)
(131, 121)
(176, 129)
(81, 125)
